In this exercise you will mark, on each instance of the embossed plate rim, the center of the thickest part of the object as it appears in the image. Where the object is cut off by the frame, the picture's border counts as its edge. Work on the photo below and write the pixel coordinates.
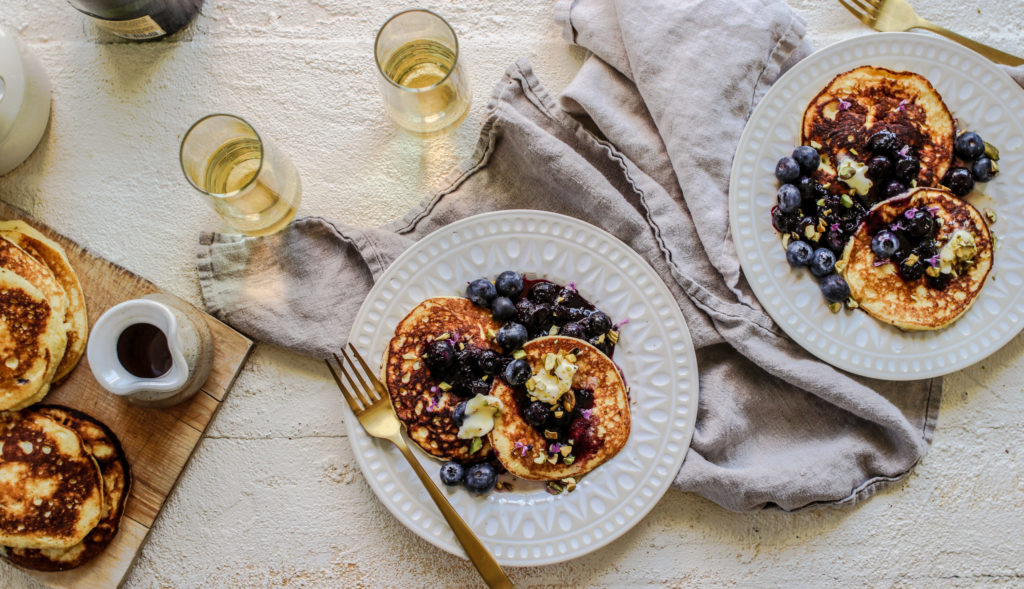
(961, 77)
(532, 511)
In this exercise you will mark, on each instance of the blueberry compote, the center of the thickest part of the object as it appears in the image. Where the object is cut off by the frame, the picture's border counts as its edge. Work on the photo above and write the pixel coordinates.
(910, 242)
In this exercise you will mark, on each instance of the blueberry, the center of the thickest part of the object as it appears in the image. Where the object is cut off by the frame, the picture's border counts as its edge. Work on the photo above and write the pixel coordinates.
(440, 354)
(911, 272)
(835, 241)
(459, 414)
(782, 222)
(478, 387)
(787, 170)
(524, 308)
(789, 198)
(804, 223)
(573, 330)
(799, 253)
(538, 317)
(598, 323)
(468, 358)
(536, 414)
(806, 186)
(543, 292)
(584, 398)
(907, 168)
(984, 169)
(511, 336)
(959, 180)
(823, 261)
(939, 282)
(503, 309)
(921, 224)
(879, 168)
(562, 314)
(480, 478)
(518, 372)
(808, 158)
(481, 292)
(884, 244)
(509, 284)
(452, 473)
(601, 343)
(490, 362)
(884, 143)
(894, 187)
(969, 145)
(834, 288)
(925, 250)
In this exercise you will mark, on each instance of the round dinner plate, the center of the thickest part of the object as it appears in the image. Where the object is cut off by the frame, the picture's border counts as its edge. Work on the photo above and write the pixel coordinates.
(527, 526)
(983, 99)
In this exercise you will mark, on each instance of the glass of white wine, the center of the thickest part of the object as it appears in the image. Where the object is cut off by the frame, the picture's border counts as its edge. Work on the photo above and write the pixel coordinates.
(424, 88)
(251, 184)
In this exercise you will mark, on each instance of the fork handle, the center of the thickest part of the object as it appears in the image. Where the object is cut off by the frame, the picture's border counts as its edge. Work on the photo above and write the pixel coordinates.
(489, 568)
(989, 52)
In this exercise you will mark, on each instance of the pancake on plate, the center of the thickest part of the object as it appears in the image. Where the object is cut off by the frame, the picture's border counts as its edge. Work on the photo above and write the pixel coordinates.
(51, 490)
(104, 447)
(962, 260)
(53, 256)
(422, 400)
(32, 341)
(861, 102)
(592, 435)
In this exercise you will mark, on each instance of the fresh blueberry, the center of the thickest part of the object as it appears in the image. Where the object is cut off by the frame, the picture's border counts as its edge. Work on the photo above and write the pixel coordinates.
(509, 284)
(787, 170)
(984, 169)
(524, 308)
(969, 145)
(782, 222)
(921, 224)
(884, 244)
(808, 158)
(789, 198)
(518, 372)
(459, 414)
(959, 180)
(452, 473)
(490, 362)
(511, 336)
(440, 354)
(584, 398)
(799, 253)
(823, 261)
(536, 414)
(907, 168)
(879, 168)
(573, 330)
(894, 187)
(911, 272)
(543, 292)
(480, 478)
(598, 323)
(884, 143)
(481, 292)
(834, 288)
(835, 241)
(503, 309)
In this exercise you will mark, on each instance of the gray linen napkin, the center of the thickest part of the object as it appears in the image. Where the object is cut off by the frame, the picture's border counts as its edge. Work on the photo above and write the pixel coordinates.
(640, 145)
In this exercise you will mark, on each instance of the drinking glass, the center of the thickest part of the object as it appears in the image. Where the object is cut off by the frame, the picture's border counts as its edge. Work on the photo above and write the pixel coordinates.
(424, 88)
(251, 184)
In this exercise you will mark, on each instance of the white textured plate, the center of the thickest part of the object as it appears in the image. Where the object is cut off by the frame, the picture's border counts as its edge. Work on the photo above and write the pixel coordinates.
(983, 99)
(527, 526)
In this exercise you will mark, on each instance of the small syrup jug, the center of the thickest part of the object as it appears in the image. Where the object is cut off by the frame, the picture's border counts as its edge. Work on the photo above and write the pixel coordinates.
(155, 351)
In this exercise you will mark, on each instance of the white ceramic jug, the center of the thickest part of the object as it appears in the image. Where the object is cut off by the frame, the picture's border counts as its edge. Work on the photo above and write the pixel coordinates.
(24, 102)
(175, 362)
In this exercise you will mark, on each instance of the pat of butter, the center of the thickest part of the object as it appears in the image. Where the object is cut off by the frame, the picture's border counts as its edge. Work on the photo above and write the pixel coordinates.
(961, 248)
(554, 380)
(854, 174)
(480, 412)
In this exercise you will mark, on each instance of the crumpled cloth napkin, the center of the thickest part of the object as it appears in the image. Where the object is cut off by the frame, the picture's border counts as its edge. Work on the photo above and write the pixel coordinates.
(641, 145)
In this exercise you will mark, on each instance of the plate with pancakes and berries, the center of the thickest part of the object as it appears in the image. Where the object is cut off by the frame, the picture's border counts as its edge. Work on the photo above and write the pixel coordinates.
(872, 205)
(545, 376)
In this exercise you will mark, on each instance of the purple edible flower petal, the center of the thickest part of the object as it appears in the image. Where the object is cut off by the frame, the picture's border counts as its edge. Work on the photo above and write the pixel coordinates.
(586, 413)
(903, 105)
(572, 286)
(556, 448)
(898, 226)
(621, 323)
(909, 213)
(844, 105)
(432, 407)
(834, 227)
(435, 390)
(878, 263)
(934, 260)
(933, 210)
(904, 151)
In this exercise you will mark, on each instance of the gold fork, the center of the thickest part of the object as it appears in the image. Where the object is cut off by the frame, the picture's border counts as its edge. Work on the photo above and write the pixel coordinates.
(372, 407)
(898, 15)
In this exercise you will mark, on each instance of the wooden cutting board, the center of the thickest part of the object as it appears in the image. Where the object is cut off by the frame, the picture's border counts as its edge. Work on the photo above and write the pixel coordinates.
(158, 442)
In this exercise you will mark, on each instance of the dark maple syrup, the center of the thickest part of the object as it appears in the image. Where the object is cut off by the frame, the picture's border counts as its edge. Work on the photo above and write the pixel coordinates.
(143, 351)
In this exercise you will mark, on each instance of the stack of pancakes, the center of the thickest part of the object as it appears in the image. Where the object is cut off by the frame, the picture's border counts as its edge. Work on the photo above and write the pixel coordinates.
(64, 481)
(43, 323)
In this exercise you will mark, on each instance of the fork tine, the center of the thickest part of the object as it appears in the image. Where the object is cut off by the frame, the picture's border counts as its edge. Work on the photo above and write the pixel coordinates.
(344, 390)
(857, 13)
(360, 391)
(374, 397)
(868, 7)
(377, 385)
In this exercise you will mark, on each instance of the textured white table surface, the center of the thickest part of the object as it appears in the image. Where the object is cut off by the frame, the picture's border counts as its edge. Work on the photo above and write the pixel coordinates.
(272, 496)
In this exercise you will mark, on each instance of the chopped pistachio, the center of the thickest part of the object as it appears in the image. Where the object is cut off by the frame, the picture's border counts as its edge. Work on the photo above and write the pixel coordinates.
(444, 335)
(835, 307)
(462, 346)
(815, 145)
(991, 152)
(519, 354)
(444, 386)
(809, 232)
(558, 413)
(852, 303)
(549, 361)
(541, 457)
(571, 357)
(565, 451)
(553, 330)
(550, 435)
(475, 445)
(553, 459)
(821, 202)
(600, 339)
(491, 334)
(568, 460)
(846, 200)
(554, 488)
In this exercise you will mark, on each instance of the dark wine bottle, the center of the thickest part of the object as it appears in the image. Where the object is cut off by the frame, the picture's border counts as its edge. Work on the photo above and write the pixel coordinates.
(139, 19)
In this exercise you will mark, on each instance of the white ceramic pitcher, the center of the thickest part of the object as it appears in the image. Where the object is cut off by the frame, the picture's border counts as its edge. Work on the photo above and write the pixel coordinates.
(24, 102)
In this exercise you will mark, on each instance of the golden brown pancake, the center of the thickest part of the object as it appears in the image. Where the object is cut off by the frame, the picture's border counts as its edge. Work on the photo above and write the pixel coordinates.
(32, 340)
(104, 447)
(596, 437)
(878, 99)
(53, 256)
(428, 414)
(51, 492)
(883, 294)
